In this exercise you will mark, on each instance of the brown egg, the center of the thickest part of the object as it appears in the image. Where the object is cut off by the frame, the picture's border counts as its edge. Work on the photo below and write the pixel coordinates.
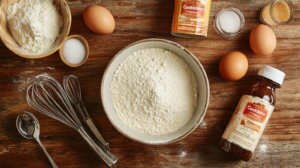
(262, 40)
(233, 66)
(99, 19)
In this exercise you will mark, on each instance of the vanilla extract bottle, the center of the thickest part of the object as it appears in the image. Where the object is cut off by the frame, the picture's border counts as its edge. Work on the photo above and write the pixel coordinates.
(252, 114)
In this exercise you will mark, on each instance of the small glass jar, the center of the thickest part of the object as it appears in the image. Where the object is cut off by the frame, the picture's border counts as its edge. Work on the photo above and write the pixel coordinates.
(278, 12)
(229, 22)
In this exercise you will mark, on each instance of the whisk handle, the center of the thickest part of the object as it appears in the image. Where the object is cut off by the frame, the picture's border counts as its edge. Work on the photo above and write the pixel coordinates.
(108, 158)
(96, 132)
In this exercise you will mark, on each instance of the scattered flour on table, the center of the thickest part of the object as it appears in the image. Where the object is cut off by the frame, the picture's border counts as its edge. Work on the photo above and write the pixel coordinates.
(154, 91)
(25, 78)
(34, 24)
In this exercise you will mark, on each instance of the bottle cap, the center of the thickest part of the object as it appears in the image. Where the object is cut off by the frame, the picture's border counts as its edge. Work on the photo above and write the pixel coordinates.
(272, 74)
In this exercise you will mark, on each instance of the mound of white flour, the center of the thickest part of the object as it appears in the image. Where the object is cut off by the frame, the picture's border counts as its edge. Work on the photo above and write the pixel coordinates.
(34, 24)
(154, 91)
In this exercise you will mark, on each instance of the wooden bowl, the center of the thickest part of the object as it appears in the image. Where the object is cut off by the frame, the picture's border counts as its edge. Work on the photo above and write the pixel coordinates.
(10, 42)
(83, 41)
(180, 51)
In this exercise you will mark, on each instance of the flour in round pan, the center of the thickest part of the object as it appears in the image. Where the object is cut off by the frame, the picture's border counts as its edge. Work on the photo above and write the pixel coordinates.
(154, 91)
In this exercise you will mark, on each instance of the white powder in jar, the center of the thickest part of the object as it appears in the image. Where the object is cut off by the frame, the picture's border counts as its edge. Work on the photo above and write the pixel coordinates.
(154, 91)
(74, 51)
(34, 24)
(230, 21)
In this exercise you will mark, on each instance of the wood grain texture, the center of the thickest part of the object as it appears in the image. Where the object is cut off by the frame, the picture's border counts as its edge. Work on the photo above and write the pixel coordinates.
(136, 20)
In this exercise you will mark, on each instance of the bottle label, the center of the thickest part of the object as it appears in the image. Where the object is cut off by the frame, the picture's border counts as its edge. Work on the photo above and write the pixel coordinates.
(191, 17)
(193, 9)
(248, 122)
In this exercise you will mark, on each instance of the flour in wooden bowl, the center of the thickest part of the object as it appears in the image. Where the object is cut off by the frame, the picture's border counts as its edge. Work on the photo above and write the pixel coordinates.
(154, 91)
(34, 24)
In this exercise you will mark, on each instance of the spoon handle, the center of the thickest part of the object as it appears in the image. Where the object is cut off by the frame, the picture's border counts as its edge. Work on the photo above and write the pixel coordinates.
(49, 157)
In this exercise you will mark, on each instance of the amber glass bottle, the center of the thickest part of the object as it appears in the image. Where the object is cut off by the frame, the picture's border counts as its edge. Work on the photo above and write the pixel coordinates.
(252, 114)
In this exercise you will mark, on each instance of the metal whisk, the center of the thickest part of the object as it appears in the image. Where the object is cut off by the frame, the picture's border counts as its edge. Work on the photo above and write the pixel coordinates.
(47, 96)
(72, 88)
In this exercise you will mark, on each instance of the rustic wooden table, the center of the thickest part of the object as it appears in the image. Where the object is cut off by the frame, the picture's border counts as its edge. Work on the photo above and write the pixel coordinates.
(136, 20)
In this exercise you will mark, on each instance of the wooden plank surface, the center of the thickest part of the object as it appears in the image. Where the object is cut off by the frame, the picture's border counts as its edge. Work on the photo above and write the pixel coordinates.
(136, 20)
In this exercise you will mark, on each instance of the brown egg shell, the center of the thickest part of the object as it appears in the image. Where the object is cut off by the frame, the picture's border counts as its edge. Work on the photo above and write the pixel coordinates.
(233, 66)
(262, 40)
(99, 19)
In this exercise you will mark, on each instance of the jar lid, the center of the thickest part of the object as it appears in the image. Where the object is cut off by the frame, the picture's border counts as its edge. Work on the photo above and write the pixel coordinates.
(272, 74)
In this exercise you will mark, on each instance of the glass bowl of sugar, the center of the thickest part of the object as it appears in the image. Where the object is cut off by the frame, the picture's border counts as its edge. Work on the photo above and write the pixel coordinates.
(229, 22)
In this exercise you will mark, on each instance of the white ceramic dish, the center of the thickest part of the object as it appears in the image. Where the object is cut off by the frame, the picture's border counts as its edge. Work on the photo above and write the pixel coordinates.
(189, 58)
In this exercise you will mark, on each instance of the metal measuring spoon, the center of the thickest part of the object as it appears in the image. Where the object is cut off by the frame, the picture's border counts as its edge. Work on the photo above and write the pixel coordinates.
(29, 127)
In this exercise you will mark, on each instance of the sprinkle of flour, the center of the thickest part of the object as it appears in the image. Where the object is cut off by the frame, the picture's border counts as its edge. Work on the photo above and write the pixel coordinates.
(154, 91)
(34, 24)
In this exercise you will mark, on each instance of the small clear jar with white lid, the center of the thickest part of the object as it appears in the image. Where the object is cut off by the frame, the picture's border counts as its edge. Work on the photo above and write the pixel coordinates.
(229, 22)
(278, 12)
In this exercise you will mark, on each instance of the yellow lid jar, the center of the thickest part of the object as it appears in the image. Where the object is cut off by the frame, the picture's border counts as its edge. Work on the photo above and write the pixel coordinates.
(278, 12)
